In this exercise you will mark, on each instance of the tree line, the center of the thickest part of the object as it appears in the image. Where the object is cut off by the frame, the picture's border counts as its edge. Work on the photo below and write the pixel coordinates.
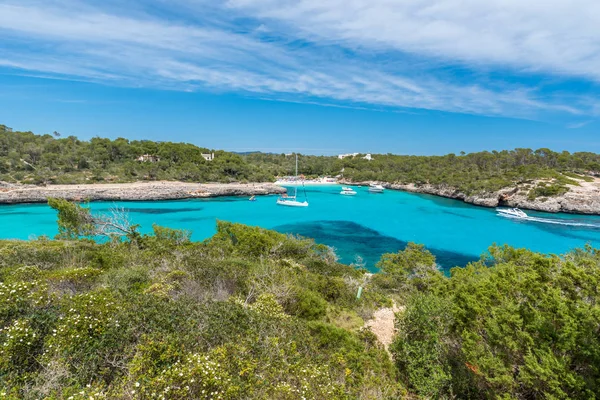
(29, 158)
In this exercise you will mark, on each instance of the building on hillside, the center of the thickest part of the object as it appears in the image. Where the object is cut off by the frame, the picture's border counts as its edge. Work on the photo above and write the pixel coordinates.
(209, 157)
(148, 158)
(342, 156)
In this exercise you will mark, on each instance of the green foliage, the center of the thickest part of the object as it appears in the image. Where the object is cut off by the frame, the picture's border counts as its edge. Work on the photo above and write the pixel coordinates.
(74, 221)
(252, 313)
(420, 349)
(515, 325)
(267, 305)
(308, 305)
(544, 190)
(41, 159)
(172, 236)
(413, 268)
(179, 319)
(20, 342)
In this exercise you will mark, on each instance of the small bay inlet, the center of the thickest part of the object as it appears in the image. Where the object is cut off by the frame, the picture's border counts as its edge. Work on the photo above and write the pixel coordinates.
(363, 226)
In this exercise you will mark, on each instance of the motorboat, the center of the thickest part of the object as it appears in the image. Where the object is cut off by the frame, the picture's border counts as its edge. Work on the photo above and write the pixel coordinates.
(346, 191)
(292, 201)
(373, 188)
(511, 212)
(253, 198)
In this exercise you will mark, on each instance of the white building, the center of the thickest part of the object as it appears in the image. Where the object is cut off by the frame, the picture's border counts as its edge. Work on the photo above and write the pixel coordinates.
(342, 156)
(208, 157)
(148, 158)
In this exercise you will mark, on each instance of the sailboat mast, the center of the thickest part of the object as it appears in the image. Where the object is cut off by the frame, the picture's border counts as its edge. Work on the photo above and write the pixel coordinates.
(296, 187)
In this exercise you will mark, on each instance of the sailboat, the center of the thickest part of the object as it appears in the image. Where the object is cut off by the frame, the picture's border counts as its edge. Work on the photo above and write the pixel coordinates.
(292, 201)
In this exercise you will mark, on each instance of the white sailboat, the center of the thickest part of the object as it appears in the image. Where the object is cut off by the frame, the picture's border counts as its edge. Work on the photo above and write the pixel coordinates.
(292, 201)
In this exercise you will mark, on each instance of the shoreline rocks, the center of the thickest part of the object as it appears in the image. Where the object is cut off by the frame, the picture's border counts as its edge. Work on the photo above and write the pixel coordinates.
(138, 191)
(582, 199)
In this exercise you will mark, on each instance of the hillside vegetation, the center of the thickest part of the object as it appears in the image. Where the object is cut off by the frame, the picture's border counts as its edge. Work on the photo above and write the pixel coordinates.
(29, 158)
(254, 314)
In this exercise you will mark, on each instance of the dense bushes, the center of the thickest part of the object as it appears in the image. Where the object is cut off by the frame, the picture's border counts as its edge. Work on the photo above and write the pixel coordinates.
(545, 190)
(165, 317)
(252, 313)
(515, 325)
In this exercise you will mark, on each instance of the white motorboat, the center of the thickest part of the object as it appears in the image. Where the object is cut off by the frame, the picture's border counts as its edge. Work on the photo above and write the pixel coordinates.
(292, 201)
(346, 191)
(511, 212)
(373, 188)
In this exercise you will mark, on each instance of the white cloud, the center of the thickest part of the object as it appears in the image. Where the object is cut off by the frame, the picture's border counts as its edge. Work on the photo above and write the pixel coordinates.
(556, 36)
(577, 125)
(351, 52)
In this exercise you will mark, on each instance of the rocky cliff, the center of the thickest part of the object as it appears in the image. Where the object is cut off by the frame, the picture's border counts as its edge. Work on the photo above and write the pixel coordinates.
(10, 194)
(583, 198)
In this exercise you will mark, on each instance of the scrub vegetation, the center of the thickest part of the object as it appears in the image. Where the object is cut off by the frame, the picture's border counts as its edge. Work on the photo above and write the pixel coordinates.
(50, 159)
(255, 314)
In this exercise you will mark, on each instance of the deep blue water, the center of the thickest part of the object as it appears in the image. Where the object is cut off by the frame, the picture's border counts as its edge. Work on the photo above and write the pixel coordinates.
(365, 226)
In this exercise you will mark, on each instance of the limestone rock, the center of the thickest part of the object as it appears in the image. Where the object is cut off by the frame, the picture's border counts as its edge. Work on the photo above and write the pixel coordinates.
(133, 191)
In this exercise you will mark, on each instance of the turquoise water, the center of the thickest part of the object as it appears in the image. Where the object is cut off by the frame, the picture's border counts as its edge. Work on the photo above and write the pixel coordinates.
(366, 225)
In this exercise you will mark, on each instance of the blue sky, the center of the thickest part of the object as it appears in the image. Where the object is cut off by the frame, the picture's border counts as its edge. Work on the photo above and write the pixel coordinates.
(320, 77)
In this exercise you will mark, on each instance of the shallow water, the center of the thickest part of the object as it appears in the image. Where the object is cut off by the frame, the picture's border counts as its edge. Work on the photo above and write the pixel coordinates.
(366, 225)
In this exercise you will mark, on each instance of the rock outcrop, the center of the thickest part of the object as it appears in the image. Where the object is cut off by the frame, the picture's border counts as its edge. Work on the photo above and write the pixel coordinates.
(583, 198)
(11, 194)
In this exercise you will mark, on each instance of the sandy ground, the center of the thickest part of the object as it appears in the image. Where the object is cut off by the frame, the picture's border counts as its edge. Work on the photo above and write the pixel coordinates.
(587, 188)
(383, 325)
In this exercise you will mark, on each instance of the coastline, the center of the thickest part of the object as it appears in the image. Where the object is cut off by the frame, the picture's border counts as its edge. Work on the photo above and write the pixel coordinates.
(582, 199)
(137, 191)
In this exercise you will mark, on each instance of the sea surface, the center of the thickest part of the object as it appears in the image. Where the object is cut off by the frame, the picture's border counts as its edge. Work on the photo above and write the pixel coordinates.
(360, 228)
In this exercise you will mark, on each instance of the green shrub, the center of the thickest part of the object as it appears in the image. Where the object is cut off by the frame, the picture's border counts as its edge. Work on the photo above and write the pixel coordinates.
(19, 346)
(308, 305)
(20, 298)
(76, 276)
(89, 334)
(420, 351)
(543, 190)
(127, 280)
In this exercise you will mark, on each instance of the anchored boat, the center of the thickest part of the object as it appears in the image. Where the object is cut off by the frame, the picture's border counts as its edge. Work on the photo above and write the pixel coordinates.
(346, 191)
(373, 188)
(292, 201)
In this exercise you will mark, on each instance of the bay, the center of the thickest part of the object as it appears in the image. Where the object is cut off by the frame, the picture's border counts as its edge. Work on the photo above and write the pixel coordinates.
(360, 228)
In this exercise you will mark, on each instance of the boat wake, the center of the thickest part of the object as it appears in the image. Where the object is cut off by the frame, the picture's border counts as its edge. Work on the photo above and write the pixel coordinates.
(552, 221)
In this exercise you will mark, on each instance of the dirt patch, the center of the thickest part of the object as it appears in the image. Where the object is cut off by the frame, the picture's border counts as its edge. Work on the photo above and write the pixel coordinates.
(383, 325)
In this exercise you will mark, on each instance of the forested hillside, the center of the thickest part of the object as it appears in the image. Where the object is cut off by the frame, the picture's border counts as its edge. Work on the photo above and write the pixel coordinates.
(29, 158)
(254, 314)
